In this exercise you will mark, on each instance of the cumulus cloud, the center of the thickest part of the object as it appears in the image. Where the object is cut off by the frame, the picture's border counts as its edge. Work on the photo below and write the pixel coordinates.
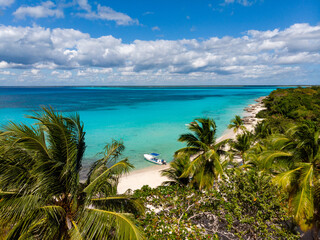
(93, 71)
(35, 71)
(46, 9)
(6, 3)
(62, 74)
(7, 73)
(256, 54)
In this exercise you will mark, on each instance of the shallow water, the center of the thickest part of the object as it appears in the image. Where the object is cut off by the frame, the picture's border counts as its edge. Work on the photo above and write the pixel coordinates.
(147, 119)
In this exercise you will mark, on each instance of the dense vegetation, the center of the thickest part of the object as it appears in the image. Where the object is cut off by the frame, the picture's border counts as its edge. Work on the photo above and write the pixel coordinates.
(272, 192)
(291, 106)
(245, 206)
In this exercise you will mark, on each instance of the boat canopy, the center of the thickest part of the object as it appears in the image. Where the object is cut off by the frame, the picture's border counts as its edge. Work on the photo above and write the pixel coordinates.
(154, 154)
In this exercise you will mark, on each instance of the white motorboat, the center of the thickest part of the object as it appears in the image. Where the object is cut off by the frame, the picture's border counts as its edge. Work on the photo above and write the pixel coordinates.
(153, 157)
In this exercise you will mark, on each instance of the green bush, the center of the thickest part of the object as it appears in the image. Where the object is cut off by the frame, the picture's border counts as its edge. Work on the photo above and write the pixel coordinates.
(245, 206)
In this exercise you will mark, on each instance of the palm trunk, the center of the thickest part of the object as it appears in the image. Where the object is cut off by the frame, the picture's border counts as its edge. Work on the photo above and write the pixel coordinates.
(315, 230)
(241, 154)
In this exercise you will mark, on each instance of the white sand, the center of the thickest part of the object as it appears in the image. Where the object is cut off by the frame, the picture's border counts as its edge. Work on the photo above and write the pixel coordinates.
(147, 176)
(152, 175)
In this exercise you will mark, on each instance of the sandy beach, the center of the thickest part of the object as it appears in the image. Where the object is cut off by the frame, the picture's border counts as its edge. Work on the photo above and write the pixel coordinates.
(152, 175)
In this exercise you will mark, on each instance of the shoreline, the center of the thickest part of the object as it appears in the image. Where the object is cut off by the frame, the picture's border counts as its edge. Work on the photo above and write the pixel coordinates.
(152, 175)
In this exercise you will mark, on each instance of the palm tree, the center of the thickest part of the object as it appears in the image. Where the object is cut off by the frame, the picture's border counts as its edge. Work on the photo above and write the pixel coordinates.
(177, 167)
(298, 173)
(242, 144)
(262, 130)
(41, 194)
(237, 124)
(204, 152)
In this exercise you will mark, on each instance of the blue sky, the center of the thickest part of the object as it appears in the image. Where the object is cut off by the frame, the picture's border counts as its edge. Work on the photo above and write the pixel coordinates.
(80, 42)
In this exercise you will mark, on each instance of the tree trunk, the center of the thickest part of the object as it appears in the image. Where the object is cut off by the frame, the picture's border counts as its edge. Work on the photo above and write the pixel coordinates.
(315, 231)
(241, 154)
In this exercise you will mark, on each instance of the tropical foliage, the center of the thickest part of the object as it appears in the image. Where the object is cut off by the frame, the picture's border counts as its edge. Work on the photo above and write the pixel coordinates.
(294, 159)
(245, 207)
(237, 124)
(204, 152)
(177, 168)
(41, 194)
(291, 153)
(242, 143)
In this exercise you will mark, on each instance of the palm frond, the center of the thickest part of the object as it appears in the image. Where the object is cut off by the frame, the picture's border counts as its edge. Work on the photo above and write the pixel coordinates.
(267, 158)
(74, 232)
(117, 169)
(112, 152)
(120, 203)
(186, 151)
(285, 179)
(102, 224)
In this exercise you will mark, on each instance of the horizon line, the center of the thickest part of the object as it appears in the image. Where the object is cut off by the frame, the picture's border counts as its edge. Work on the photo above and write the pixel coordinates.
(243, 85)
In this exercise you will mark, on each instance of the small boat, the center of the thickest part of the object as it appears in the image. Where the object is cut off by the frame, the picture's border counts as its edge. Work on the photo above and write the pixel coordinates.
(153, 157)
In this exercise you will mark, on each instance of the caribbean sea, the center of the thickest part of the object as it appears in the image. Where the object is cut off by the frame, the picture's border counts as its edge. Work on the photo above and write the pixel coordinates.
(146, 119)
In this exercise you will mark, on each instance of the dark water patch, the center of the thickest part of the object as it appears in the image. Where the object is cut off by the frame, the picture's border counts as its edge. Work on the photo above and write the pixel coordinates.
(77, 99)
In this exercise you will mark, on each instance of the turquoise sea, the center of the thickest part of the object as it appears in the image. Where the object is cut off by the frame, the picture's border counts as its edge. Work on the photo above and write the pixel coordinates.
(146, 119)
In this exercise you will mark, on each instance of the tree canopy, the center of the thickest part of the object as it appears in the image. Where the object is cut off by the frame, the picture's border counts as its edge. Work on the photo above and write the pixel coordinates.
(41, 194)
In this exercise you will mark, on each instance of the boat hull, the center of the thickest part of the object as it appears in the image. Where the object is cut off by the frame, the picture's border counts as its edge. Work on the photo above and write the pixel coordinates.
(153, 159)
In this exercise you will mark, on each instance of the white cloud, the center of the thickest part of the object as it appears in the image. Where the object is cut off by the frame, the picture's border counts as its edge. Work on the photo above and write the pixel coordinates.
(4, 64)
(148, 13)
(62, 74)
(7, 73)
(257, 54)
(242, 2)
(35, 71)
(155, 28)
(93, 71)
(31, 74)
(46, 9)
(84, 5)
(6, 3)
(107, 13)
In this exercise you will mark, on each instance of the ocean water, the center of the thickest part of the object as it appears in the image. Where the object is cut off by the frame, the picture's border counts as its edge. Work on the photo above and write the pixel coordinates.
(146, 119)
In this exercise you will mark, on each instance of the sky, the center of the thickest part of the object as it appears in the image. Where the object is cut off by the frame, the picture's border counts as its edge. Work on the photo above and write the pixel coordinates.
(204, 42)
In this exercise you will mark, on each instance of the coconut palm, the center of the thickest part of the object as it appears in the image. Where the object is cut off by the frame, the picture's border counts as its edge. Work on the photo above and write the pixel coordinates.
(300, 173)
(177, 167)
(242, 143)
(204, 152)
(262, 130)
(41, 194)
(237, 124)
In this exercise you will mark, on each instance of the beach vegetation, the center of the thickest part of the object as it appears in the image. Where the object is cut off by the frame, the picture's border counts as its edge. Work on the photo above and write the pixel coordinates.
(177, 168)
(41, 195)
(242, 144)
(292, 160)
(204, 153)
(290, 151)
(246, 206)
(237, 124)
